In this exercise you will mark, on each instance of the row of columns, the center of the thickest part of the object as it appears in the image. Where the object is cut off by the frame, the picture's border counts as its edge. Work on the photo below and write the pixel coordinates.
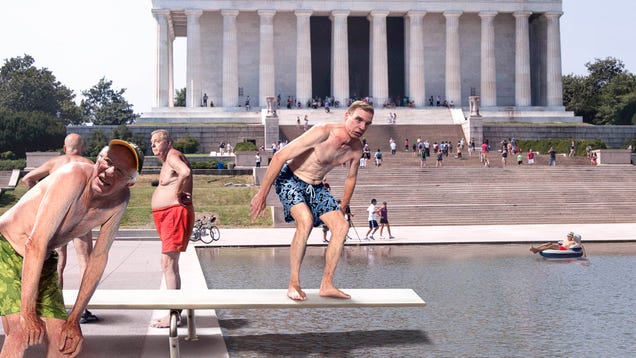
(378, 58)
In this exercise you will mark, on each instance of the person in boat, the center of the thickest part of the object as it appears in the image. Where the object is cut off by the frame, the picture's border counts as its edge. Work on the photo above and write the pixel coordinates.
(572, 241)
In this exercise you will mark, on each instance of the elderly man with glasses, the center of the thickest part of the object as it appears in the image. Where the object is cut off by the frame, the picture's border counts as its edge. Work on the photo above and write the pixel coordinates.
(68, 203)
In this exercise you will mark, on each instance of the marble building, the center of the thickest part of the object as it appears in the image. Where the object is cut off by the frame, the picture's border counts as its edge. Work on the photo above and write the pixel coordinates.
(506, 52)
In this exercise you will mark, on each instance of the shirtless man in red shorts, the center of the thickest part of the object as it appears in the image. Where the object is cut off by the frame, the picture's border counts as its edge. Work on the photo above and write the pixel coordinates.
(172, 209)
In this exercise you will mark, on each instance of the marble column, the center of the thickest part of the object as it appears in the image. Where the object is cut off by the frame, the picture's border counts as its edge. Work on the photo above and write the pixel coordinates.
(303, 56)
(340, 56)
(417, 86)
(193, 62)
(230, 59)
(453, 70)
(523, 94)
(266, 81)
(488, 59)
(379, 60)
(171, 68)
(162, 70)
(553, 60)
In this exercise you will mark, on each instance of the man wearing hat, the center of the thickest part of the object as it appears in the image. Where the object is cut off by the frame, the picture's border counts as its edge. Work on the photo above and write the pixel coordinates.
(73, 149)
(68, 203)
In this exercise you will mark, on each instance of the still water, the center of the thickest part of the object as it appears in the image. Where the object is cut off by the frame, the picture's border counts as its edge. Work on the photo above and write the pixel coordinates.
(482, 301)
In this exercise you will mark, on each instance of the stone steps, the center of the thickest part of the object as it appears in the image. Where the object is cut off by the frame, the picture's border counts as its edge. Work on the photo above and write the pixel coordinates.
(492, 196)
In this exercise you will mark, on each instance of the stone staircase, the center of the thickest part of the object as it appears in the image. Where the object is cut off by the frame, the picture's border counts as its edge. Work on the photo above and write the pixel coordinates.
(570, 193)
(464, 192)
(490, 196)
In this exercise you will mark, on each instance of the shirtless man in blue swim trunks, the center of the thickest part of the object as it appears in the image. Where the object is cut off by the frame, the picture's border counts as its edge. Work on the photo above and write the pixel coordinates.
(297, 171)
(68, 203)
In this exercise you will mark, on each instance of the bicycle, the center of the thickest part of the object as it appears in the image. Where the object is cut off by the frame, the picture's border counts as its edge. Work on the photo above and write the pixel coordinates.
(205, 230)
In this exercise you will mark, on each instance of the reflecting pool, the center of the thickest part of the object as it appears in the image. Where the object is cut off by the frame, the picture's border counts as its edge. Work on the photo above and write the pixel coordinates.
(482, 300)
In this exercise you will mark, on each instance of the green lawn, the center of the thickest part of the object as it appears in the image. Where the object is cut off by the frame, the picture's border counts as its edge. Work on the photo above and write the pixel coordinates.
(211, 195)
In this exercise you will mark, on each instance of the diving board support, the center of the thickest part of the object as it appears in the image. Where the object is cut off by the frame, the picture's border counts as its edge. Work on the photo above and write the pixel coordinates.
(190, 300)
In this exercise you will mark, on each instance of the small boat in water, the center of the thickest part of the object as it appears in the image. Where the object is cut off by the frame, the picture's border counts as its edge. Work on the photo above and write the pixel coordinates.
(573, 252)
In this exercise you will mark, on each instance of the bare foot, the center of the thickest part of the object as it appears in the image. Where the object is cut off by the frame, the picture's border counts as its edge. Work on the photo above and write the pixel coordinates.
(296, 294)
(533, 249)
(333, 292)
(164, 322)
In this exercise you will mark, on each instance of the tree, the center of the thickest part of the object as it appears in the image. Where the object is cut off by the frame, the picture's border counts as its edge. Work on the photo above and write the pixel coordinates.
(607, 95)
(22, 132)
(103, 105)
(124, 133)
(180, 97)
(25, 88)
(95, 142)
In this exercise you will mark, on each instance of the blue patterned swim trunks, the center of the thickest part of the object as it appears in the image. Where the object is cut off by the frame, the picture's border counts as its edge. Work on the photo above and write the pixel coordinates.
(291, 191)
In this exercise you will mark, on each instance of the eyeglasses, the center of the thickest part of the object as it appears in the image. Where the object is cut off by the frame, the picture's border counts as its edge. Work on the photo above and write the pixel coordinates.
(117, 172)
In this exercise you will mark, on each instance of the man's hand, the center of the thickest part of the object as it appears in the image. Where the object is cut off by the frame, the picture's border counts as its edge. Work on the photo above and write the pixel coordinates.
(257, 207)
(33, 328)
(71, 339)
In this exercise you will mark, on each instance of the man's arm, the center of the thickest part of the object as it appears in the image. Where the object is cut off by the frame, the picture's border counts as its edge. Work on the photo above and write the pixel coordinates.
(59, 193)
(350, 181)
(71, 335)
(37, 174)
(306, 141)
(182, 168)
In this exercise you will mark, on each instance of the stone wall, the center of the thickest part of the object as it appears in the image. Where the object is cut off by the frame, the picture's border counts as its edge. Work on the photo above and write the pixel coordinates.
(209, 137)
(612, 136)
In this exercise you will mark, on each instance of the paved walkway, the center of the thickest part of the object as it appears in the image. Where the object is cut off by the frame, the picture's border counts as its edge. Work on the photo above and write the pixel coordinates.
(134, 263)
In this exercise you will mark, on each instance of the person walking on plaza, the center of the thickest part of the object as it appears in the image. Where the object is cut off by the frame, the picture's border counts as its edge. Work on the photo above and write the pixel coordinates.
(422, 159)
(257, 159)
(384, 220)
(378, 158)
(68, 203)
(373, 220)
(485, 149)
(552, 154)
(530, 157)
(73, 149)
(297, 171)
(440, 157)
(172, 209)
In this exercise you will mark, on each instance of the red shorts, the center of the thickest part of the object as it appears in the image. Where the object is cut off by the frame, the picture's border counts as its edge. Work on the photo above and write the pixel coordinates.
(562, 248)
(174, 225)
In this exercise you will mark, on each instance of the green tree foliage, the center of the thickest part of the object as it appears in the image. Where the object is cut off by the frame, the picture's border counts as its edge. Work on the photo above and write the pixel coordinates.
(25, 88)
(186, 145)
(560, 145)
(106, 106)
(95, 142)
(180, 97)
(245, 147)
(124, 133)
(607, 95)
(22, 132)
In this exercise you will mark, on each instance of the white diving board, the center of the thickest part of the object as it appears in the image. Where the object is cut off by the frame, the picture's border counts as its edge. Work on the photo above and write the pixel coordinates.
(243, 298)
(236, 299)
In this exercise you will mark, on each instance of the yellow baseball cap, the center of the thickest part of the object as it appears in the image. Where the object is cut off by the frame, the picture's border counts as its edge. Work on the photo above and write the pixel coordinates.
(133, 148)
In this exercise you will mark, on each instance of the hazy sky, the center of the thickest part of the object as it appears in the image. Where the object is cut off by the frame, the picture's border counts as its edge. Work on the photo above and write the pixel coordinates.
(82, 41)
